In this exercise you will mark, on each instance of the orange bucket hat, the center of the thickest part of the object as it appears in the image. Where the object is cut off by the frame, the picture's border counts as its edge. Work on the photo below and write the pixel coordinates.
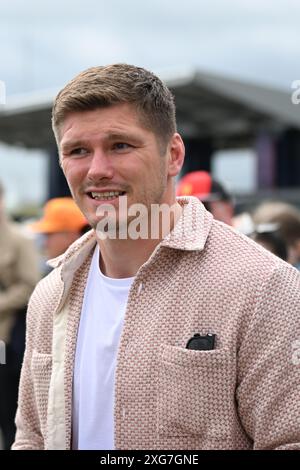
(60, 215)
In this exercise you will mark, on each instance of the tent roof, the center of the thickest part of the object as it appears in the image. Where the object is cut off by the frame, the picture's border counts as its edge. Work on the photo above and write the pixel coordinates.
(229, 111)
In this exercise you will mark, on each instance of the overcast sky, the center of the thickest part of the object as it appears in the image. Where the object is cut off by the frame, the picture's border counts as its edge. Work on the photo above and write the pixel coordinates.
(45, 43)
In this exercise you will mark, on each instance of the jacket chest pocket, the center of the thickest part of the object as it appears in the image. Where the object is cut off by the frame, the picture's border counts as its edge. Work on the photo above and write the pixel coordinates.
(195, 393)
(41, 368)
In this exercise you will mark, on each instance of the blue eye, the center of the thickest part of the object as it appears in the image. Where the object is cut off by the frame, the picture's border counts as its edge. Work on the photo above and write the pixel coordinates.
(121, 146)
(78, 151)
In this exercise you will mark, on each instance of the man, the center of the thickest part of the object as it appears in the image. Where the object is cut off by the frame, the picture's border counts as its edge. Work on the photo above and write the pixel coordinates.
(186, 339)
(18, 277)
(61, 225)
(211, 193)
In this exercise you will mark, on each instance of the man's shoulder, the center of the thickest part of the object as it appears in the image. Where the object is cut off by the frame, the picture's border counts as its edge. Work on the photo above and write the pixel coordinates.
(233, 242)
(240, 255)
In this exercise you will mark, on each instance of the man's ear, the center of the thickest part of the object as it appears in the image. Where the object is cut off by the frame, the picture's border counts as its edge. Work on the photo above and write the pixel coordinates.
(176, 155)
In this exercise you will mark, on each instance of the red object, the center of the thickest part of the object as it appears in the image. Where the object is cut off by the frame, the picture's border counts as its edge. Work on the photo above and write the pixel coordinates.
(196, 183)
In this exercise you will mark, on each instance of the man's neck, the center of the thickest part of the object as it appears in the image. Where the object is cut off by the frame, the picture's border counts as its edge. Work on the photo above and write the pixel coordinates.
(123, 258)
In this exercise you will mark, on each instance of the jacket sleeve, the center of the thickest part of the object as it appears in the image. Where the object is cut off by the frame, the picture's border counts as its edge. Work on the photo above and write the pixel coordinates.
(268, 393)
(17, 295)
(28, 435)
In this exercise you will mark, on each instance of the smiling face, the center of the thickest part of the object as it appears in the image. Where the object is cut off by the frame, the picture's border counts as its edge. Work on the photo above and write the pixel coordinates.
(107, 153)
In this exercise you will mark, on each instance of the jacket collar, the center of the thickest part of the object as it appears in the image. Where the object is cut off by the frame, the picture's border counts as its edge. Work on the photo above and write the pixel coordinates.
(190, 234)
(192, 229)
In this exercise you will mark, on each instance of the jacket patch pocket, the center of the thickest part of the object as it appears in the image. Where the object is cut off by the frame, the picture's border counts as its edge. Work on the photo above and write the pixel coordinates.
(41, 367)
(196, 393)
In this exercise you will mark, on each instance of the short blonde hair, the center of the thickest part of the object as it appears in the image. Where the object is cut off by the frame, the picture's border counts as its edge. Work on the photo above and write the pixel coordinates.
(104, 86)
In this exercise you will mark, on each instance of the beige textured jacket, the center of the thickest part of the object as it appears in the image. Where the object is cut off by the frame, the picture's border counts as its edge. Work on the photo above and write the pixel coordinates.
(18, 274)
(204, 277)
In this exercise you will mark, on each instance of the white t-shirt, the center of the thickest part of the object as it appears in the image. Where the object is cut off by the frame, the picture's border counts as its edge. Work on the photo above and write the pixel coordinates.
(100, 327)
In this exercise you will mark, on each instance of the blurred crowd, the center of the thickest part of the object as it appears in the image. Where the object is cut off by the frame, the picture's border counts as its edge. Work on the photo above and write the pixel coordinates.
(24, 250)
(273, 224)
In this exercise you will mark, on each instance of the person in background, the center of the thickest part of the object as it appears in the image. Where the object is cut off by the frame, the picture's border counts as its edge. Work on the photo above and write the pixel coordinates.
(60, 226)
(211, 193)
(287, 217)
(18, 277)
(268, 236)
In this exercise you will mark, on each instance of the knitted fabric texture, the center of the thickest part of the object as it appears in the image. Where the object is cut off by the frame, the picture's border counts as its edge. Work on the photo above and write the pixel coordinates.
(203, 278)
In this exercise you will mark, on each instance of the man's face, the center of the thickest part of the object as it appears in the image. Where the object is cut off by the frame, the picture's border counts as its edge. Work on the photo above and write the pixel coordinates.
(108, 150)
